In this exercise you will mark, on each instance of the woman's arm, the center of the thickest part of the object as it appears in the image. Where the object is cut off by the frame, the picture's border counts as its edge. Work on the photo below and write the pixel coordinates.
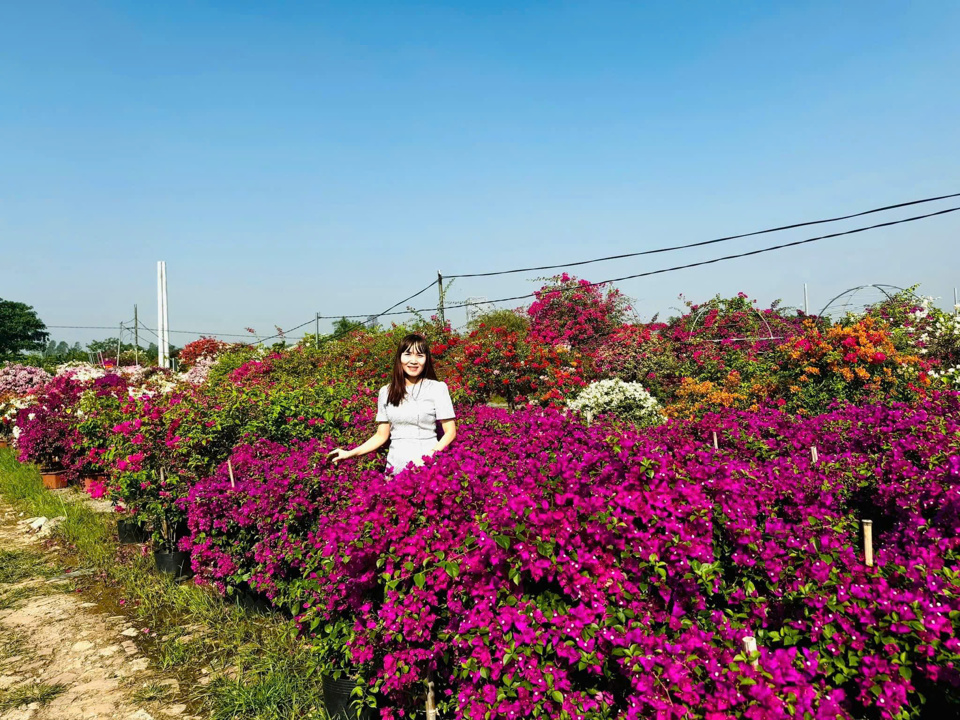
(449, 435)
(375, 442)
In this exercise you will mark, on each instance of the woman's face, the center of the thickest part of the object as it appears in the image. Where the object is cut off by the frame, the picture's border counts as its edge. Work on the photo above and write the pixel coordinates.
(413, 360)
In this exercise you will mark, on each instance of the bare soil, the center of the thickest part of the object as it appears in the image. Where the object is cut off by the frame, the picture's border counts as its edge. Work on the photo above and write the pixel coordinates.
(89, 661)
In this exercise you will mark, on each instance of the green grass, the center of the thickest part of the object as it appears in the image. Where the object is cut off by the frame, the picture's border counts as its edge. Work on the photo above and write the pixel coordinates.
(83, 529)
(151, 692)
(17, 565)
(261, 670)
(40, 693)
(13, 644)
(272, 688)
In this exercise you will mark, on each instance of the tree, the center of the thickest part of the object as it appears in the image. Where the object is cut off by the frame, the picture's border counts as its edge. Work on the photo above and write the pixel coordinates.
(21, 329)
(107, 347)
(344, 325)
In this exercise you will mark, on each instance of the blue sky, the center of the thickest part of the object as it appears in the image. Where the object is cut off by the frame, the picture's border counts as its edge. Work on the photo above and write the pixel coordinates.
(289, 158)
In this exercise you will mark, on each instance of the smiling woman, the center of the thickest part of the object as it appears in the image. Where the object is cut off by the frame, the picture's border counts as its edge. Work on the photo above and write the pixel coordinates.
(408, 410)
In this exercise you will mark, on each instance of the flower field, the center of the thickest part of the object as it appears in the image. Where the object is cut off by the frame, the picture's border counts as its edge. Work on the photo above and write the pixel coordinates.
(651, 495)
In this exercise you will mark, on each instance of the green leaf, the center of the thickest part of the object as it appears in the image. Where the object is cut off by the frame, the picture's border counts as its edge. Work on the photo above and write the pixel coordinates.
(557, 695)
(420, 579)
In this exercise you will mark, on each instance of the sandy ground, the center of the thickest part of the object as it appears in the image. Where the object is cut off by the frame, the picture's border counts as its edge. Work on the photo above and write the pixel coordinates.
(50, 635)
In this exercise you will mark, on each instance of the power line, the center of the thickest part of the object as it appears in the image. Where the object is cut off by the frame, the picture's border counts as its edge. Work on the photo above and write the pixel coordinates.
(83, 327)
(385, 312)
(282, 333)
(721, 259)
(150, 331)
(197, 332)
(707, 242)
(390, 312)
(406, 299)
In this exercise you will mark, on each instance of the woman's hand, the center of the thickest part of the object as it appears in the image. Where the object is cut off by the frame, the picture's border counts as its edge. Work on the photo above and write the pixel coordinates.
(338, 454)
(449, 435)
(379, 438)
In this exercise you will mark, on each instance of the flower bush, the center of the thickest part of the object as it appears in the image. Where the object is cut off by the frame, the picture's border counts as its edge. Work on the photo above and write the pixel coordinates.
(544, 567)
(851, 363)
(46, 432)
(81, 371)
(496, 362)
(17, 380)
(938, 338)
(590, 575)
(204, 348)
(572, 312)
(625, 400)
(639, 353)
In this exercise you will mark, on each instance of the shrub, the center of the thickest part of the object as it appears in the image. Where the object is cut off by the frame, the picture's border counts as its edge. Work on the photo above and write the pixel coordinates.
(19, 380)
(572, 312)
(205, 347)
(639, 353)
(510, 320)
(626, 400)
(496, 362)
(855, 363)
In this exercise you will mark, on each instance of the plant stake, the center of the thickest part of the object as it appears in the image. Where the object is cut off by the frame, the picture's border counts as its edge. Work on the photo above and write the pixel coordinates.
(163, 521)
(868, 542)
(715, 445)
(230, 470)
(814, 455)
(431, 702)
(749, 648)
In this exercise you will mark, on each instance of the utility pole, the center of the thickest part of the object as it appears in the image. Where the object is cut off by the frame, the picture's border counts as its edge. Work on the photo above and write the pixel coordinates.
(119, 340)
(136, 337)
(163, 337)
(440, 303)
(160, 358)
(166, 318)
(806, 302)
(316, 338)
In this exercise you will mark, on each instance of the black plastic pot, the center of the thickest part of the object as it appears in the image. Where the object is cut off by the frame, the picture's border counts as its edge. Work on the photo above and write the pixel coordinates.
(339, 701)
(130, 531)
(176, 564)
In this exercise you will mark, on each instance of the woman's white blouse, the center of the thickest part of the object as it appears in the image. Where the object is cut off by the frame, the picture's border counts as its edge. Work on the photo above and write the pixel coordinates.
(413, 423)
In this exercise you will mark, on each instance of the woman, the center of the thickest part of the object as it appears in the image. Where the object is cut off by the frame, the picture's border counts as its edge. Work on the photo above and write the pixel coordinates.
(408, 410)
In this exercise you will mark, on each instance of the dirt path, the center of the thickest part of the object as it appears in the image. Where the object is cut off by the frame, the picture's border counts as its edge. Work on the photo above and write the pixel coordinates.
(62, 659)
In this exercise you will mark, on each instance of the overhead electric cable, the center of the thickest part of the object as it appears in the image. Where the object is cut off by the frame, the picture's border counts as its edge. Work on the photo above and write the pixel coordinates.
(84, 327)
(706, 242)
(385, 312)
(716, 260)
(409, 298)
(204, 334)
(282, 333)
(150, 331)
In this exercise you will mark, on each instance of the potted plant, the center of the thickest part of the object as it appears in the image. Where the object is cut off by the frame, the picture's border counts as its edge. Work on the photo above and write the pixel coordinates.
(132, 531)
(45, 430)
(168, 529)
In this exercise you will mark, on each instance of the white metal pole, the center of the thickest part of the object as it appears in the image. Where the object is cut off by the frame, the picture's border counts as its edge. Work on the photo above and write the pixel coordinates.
(160, 358)
(806, 302)
(166, 318)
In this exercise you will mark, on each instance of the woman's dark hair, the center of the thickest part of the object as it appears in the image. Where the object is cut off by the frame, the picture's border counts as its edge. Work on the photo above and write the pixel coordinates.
(398, 380)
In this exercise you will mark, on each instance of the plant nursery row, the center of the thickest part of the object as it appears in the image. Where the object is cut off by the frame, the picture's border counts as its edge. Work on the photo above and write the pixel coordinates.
(735, 512)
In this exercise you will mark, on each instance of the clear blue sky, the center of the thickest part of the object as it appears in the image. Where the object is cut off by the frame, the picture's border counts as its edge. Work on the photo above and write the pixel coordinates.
(287, 158)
